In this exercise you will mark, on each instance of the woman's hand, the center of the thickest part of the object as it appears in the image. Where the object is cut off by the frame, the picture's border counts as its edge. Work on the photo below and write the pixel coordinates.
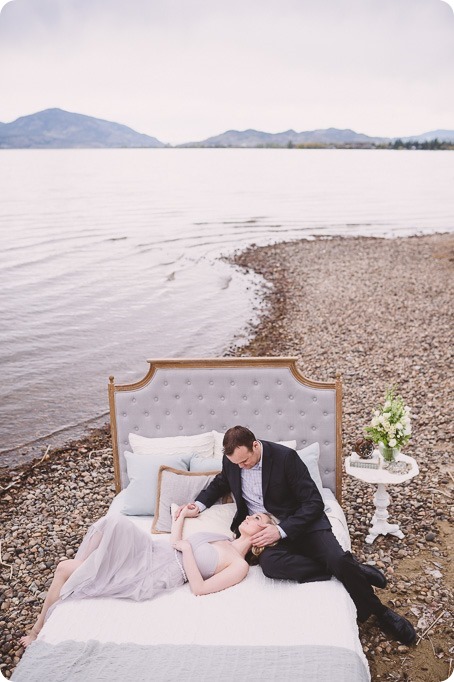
(187, 510)
(181, 545)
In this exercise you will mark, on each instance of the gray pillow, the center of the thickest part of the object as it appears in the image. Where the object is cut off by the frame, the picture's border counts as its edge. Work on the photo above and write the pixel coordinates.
(140, 495)
(178, 487)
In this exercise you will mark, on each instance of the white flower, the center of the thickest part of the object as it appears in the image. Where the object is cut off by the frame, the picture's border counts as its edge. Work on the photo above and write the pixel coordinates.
(399, 426)
(375, 421)
(381, 419)
(392, 443)
(387, 405)
(407, 431)
(377, 413)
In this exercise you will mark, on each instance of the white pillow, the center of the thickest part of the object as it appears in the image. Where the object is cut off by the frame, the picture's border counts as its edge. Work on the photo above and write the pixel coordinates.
(310, 456)
(216, 519)
(139, 497)
(201, 444)
(205, 463)
(176, 486)
(219, 437)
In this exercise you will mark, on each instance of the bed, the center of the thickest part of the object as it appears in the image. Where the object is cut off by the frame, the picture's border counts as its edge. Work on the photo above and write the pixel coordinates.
(261, 629)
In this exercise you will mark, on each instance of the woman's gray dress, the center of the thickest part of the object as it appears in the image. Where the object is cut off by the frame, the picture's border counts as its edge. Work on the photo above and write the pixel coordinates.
(121, 560)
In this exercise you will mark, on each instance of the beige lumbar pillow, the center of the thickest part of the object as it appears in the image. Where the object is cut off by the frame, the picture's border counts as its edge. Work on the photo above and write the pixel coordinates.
(216, 519)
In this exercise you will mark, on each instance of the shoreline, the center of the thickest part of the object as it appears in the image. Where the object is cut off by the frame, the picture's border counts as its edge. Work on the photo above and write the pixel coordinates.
(380, 315)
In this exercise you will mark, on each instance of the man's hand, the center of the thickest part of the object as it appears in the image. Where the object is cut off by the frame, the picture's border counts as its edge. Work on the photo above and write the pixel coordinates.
(190, 510)
(266, 536)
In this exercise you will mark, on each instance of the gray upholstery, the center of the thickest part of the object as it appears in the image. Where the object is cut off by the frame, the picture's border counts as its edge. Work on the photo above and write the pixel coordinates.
(268, 400)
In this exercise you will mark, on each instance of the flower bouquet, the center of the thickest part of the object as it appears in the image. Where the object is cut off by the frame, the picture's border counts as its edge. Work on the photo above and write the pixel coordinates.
(390, 426)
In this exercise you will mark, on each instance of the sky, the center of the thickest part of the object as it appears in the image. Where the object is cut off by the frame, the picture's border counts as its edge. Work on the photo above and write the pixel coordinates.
(183, 70)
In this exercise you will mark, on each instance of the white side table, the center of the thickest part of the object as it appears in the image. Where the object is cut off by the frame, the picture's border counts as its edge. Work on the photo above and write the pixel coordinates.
(381, 478)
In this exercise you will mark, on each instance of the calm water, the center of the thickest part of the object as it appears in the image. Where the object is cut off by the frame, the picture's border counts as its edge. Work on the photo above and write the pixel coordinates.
(110, 257)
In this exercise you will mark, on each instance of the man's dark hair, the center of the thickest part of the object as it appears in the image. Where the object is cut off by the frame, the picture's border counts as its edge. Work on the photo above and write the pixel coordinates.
(236, 437)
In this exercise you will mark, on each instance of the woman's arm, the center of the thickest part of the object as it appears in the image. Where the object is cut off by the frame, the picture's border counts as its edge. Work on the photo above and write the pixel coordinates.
(233, 574)
(176, 532)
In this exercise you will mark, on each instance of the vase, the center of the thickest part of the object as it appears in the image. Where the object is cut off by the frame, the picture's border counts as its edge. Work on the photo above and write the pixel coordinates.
(388, 454)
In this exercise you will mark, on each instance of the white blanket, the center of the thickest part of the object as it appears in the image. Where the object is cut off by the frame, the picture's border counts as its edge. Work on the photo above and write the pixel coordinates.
(258, 611)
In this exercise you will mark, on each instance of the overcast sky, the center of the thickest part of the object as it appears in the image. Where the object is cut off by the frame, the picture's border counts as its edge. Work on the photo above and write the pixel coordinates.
(183, 70)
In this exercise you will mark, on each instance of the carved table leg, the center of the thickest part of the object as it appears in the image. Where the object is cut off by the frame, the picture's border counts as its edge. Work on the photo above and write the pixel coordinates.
(380, 525)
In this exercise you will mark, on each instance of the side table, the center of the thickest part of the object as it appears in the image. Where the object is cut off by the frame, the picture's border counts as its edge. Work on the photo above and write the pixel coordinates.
(381, 478)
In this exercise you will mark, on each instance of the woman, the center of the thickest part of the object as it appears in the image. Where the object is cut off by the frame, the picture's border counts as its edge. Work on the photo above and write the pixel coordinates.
(117, 559)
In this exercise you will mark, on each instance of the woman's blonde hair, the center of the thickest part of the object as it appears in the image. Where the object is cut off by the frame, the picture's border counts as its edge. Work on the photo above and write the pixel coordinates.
(256, 551)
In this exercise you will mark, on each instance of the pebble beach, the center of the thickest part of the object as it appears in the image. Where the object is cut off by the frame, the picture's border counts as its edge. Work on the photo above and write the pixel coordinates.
(380, 312)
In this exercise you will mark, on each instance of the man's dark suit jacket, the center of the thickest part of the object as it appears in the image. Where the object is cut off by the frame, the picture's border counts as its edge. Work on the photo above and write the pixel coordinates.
(288, 491)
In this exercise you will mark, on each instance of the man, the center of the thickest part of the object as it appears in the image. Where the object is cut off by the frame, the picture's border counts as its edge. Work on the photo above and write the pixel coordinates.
(264, 476)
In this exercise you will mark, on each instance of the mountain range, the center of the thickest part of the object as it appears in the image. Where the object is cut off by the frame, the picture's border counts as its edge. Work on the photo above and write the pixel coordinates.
(58, 129)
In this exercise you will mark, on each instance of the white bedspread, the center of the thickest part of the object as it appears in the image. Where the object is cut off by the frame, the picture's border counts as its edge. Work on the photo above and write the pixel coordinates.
(258, 611)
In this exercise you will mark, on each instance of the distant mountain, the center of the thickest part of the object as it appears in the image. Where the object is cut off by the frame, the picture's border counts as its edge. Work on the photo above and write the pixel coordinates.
(257, 138)
(440, 135)
(58, 129)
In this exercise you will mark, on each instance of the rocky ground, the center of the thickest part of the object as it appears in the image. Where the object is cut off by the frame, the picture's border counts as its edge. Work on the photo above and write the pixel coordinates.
(377, 310)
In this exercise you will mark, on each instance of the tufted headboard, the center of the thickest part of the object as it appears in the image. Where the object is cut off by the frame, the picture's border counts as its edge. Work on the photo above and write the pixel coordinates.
(268, 395)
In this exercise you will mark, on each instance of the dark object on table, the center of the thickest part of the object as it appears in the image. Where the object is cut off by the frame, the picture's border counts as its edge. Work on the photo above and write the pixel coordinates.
(364, 448)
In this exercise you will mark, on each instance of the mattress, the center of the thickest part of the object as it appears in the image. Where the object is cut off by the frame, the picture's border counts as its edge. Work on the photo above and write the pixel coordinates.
(259, 629)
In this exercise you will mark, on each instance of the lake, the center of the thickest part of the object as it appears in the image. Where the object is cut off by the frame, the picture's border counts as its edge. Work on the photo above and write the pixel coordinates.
(111, 257)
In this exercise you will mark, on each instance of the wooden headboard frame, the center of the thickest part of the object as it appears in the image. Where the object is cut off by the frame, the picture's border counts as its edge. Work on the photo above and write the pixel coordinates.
(268, 395)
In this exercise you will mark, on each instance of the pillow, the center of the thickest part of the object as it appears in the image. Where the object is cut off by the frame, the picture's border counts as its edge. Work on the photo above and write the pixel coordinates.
(140, 495)
(179, 487)
(310, 457)
(202, 444)
(205, 464)
(219, 437)
(216, 519)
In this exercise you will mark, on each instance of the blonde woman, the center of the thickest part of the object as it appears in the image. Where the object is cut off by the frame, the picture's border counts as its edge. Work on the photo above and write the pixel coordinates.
(117, 559)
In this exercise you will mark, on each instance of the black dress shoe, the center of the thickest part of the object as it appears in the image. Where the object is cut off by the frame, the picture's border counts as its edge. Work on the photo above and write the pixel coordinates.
(374, 576)
(397, 626)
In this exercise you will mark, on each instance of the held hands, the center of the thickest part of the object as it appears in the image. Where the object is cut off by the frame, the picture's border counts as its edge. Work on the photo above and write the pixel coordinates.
(187, 510)
(267, 534)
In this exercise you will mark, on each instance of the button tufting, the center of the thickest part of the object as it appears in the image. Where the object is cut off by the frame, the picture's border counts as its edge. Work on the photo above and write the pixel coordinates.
(314, 428)
(211, 382)
(177, 397)
(256, 411)
(325, 414)
(326, 442)
(158, 427)
(167, 411)
(147, 414)
(291, 428)
(124, 414)
(314, 399)
(245, 397)
(125, 442)
(232, 383)
(188, 382)
(267, 397)
(211, 411)
(202, 426)
(134, 400)
(256, 383)
(189, 411)
(156, 398)
(235, 412)
(268, 427)
(222, 397)
(279, 382)
(279, 411)
(136, 428)
(166, 383)
(304, 442)
(200, 397)
(303, 414)
(290, 397)
(180, 428)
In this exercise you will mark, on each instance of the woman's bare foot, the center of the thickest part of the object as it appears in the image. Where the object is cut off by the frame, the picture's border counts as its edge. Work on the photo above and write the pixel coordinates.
(28, 639)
